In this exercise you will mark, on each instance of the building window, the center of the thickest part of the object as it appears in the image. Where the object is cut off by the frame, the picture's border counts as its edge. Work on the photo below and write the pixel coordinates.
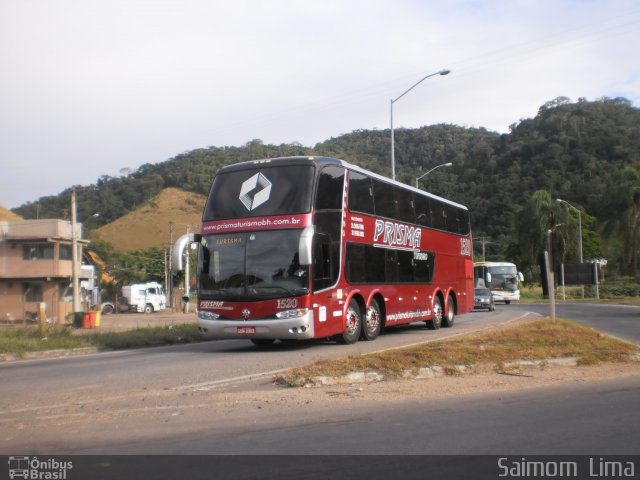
(42, 251)
(65, 252)
(32, 292)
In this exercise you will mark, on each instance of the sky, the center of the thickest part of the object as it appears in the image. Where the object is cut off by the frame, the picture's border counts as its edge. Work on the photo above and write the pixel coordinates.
(96, 87)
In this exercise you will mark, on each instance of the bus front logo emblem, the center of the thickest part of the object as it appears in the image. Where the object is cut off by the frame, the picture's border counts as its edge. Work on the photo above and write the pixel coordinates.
(255, 191)
(246, 313)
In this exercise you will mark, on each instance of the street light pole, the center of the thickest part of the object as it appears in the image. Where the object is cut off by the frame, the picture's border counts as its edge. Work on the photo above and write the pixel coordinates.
(448, 164)
(579, 225)
(394, 100)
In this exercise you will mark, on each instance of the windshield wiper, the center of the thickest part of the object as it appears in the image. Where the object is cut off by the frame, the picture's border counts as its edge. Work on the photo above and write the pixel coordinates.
(280, 287)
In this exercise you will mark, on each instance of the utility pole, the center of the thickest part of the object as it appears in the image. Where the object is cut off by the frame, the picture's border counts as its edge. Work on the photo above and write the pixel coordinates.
(186, 273)
(166, 267)
(484, 240)
(170, 284)
(75, 291)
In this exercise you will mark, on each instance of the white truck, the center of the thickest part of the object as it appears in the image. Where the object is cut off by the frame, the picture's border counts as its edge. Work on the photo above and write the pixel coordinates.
(144, 297)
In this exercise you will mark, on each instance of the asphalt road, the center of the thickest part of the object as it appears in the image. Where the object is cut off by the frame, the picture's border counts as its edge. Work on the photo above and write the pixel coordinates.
(622, 321)
(161, 401)
(600, 418)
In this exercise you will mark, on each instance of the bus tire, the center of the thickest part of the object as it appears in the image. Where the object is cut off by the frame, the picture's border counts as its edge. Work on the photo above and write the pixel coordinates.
(436, 321)
(263, 342)
(354, 324)
(449, 318)
(372, 324)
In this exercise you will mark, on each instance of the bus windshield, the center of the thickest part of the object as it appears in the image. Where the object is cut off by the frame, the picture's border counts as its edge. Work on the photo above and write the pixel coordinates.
(251, 265)
(504, 277)
(258, 192)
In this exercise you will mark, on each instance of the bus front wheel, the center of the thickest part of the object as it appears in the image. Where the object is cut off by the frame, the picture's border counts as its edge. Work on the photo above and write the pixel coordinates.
(436, 320)
(353, 324)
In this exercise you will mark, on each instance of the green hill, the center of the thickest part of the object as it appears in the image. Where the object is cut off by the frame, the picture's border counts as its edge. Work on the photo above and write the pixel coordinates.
(149, 225)
(585, 152)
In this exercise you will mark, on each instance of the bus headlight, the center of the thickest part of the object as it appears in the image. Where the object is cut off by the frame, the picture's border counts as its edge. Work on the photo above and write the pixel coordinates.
(204, 315)
(298, 312)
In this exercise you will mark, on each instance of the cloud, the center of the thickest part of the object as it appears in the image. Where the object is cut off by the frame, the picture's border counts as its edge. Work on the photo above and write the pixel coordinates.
(91, 87)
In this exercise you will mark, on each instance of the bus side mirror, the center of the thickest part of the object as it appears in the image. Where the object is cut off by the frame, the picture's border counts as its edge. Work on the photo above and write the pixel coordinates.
(488, 278)
(176, 257)
(520, 276)
(305, 246)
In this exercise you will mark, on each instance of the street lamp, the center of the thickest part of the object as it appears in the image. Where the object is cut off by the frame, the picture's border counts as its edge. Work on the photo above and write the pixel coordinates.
(393, 159)
(448, 164)
(579, 225)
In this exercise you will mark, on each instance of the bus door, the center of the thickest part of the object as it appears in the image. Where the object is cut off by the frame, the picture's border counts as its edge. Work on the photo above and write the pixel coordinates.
(328, 302)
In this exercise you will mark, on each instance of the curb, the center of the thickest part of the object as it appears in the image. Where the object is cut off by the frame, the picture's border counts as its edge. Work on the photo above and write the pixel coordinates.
(425, 373)
(58, 353)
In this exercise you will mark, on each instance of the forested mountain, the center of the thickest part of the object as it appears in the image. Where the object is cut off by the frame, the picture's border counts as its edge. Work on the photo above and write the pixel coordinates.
(586, 152)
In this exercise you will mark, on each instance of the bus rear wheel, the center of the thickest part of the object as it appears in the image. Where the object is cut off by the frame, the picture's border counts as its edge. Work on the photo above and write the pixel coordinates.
(436, 320)
(372, 322)
(449, 318)
(353, 324)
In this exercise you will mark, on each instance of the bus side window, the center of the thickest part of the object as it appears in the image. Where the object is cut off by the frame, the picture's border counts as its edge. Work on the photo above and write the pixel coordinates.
(465, 222)
(404, 203)
(360, 193)
(384, 198)
(391, 266)
(405, 267)
(330, 189)
(322, 277)
(423, 210)
(424, 267)
(438, 215)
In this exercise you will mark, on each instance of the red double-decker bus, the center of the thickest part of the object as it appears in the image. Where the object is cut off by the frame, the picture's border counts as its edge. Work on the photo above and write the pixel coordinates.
(314, 247)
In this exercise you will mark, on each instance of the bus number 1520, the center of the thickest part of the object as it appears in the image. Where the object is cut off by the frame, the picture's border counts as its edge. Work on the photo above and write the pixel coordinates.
(287, 303)
(465, 246)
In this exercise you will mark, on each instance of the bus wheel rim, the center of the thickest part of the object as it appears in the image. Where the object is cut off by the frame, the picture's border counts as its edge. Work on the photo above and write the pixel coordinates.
(352, 321)
(373, 320)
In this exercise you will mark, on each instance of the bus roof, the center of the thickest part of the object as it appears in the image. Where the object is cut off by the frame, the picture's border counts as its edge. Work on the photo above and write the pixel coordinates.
(331, 161)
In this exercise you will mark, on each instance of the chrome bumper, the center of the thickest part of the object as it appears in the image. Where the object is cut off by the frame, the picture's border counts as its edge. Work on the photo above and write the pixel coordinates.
(297, 328)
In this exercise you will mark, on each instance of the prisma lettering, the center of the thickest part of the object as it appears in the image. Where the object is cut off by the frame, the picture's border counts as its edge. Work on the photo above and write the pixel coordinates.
(397, 234)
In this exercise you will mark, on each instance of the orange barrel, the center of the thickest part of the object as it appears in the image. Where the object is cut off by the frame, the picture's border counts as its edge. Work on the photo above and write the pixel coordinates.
(86, 320)
(92, 319)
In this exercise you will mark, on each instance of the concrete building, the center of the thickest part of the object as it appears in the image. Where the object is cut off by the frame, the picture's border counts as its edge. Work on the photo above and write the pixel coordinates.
(36, 266)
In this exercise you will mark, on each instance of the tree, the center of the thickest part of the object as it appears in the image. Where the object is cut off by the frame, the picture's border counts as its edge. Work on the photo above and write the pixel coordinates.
(539, 216)
(624, 223)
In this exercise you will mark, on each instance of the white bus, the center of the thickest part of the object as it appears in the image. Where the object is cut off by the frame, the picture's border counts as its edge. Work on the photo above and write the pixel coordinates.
(502, 278)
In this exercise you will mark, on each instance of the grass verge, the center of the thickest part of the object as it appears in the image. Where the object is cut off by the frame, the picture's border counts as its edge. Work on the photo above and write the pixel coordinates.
(536, 341)
(19, 341)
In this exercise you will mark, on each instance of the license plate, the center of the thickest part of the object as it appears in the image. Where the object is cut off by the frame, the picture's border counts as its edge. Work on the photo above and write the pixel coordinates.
(246, 330)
